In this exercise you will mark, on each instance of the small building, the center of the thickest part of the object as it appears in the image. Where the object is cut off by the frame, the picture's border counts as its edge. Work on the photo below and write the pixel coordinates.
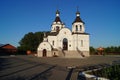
(63, 42)
(7, 49)
(100, 50)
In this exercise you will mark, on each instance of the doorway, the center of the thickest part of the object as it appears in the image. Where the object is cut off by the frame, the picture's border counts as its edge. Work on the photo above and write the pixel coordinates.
(65, 44)
(44, 52)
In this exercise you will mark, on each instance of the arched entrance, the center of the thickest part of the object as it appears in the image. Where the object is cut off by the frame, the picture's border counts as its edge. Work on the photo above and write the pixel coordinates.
(44, 52)
(65, 44)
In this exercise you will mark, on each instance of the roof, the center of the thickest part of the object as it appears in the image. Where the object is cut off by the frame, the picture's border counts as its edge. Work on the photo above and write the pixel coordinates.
(57, 19)
(56, 33)
(53, 33)
(100, 49)
(78, 19)
(81, 33)
(4, 46)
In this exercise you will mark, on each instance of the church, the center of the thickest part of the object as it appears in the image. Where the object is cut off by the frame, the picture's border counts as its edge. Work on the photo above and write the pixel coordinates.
(63, 42)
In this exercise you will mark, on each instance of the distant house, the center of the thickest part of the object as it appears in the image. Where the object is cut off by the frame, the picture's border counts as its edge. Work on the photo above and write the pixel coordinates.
(7, 49)
(100, 50)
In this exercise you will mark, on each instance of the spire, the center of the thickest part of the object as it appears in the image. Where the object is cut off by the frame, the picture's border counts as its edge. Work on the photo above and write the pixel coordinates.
(57, 13)
(78, 19)
(77, 13)
(57, 19)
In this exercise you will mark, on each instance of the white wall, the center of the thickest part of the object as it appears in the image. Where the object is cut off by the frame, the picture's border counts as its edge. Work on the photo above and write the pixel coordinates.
(78, 24)
(65, 33)
(51, 39)
(41, 47)
(85, 39)
(55, 24)
(73, 40)
(44, 45)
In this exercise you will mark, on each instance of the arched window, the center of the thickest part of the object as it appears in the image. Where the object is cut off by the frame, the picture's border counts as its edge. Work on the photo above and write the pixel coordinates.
(80, 27)
(65, 44)
(53, 43)
(44, 52)
(57, 28)
(76, 28)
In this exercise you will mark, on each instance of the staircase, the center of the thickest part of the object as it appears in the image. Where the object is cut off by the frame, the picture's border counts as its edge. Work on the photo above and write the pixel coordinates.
(72, 54)
(80, 52)
(61, 52)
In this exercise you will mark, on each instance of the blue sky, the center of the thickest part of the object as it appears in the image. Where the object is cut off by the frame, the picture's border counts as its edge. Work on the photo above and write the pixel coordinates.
(101, 17)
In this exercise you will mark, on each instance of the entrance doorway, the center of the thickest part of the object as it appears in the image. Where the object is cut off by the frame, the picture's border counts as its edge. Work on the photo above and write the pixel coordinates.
(65, 44)
(44, 52)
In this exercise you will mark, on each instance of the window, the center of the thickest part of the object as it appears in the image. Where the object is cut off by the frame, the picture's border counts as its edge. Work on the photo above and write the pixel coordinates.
(81, 43)
(57, 28)
(53, 43)
(76, 28)
(80, 27)
(69, 45)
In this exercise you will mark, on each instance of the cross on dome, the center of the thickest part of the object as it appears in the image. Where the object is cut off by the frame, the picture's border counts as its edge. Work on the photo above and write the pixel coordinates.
(78, 19)
(57, 19)
(57, 13)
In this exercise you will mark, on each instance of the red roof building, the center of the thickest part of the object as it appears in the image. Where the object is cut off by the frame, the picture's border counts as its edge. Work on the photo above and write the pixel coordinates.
(7, 49)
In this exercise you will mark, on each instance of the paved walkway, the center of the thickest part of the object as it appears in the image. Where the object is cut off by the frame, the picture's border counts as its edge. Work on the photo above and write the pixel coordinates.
(34, 68)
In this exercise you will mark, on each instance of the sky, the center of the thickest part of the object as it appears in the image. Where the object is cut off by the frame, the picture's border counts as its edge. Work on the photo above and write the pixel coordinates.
(101, 17)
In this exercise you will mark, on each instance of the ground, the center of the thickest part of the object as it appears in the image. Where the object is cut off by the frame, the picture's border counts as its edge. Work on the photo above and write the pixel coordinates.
(30, 67)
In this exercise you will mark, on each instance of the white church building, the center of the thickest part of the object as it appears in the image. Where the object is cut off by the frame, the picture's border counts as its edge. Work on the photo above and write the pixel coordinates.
(63, 42)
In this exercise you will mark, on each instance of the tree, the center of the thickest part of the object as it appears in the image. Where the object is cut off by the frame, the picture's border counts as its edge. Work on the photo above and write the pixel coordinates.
(113, 50)
(92, 50)
(30, 41)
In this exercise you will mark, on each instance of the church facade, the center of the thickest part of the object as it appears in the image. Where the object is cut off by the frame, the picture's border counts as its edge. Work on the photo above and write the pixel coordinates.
(63, 42)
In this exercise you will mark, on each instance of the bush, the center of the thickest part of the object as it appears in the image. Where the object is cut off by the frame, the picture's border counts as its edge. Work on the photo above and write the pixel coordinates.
(112, 73)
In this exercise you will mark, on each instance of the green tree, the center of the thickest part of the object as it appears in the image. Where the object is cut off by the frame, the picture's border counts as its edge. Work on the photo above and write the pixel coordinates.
(112, 49)
(39, 38)
(92, 50)
(107, 50)
(31, 41)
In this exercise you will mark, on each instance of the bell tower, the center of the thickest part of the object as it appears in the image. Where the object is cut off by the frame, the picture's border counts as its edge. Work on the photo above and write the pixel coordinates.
(57, 24)
(78, 24)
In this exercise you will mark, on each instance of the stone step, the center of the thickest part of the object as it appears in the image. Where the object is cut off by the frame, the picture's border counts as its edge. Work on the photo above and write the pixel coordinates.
(72, 54)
